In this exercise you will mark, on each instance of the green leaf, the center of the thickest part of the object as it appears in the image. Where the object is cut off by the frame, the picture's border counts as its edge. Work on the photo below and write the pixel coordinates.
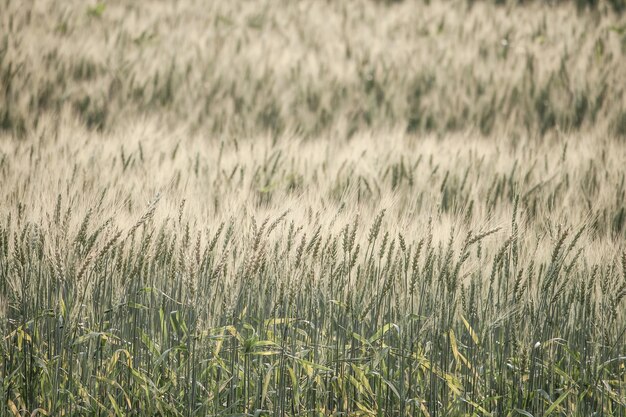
(557, 402)
(116, 407)
(522, 412)
(383, 330)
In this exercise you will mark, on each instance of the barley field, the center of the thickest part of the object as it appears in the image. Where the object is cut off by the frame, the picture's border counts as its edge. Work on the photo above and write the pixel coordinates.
(313, 208)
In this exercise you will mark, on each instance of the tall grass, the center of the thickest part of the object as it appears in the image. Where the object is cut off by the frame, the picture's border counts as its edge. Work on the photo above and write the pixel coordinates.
(381, 276)
(370, 208)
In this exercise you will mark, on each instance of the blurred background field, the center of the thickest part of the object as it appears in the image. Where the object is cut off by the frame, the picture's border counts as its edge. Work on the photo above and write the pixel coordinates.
(310, 68)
